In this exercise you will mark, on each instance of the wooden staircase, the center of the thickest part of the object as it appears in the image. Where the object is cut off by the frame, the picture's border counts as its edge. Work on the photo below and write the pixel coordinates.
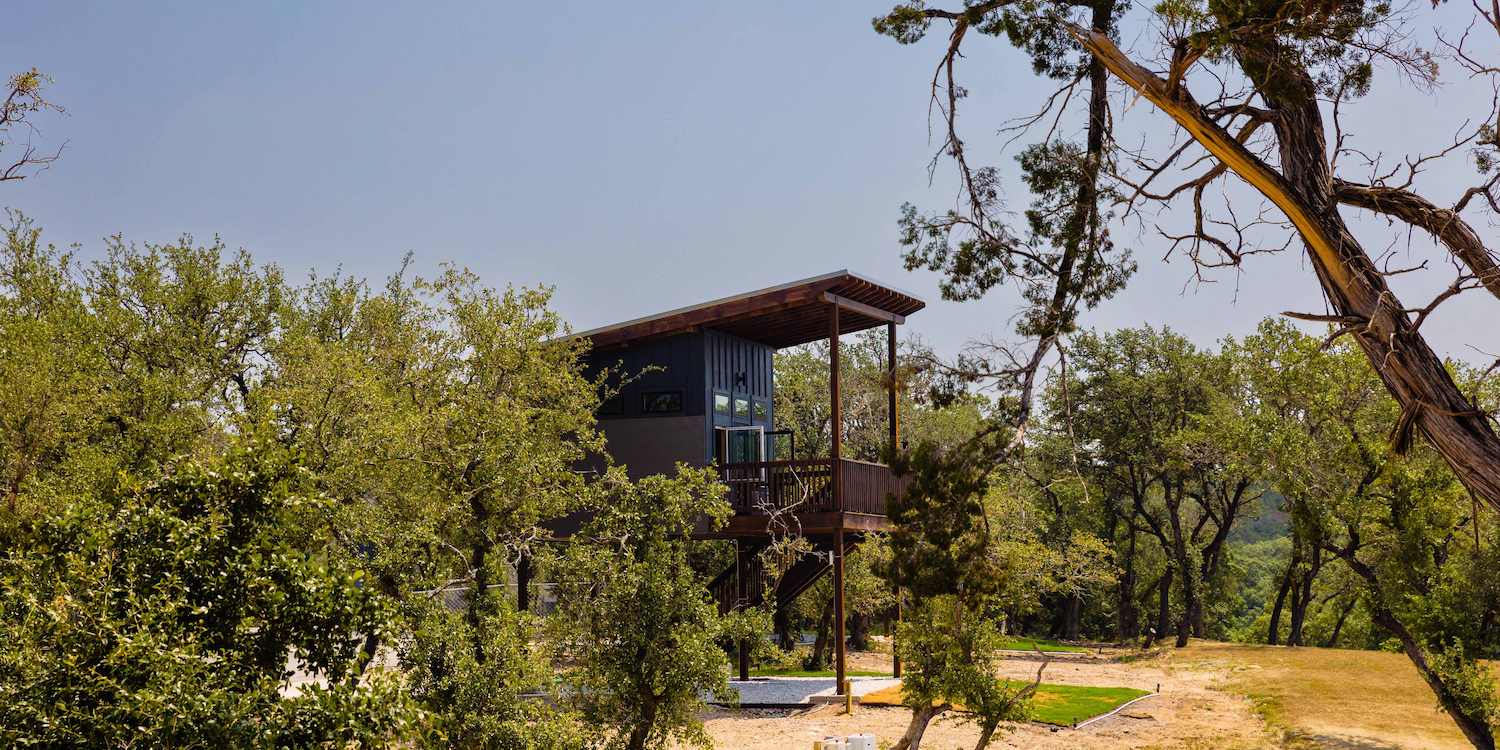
(726, 590)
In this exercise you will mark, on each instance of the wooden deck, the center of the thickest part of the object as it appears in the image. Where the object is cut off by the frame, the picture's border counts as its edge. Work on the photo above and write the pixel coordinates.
(809, 492)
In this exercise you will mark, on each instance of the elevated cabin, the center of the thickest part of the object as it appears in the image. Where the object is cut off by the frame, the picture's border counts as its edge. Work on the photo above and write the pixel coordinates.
(697, 386)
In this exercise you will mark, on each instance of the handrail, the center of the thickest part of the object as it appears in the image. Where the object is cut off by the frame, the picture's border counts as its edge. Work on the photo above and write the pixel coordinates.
(764, 487)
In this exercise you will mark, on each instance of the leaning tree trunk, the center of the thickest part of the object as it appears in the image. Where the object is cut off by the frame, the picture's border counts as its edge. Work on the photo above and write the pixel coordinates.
(912, 739)
(1338, 626)
(1304, 190)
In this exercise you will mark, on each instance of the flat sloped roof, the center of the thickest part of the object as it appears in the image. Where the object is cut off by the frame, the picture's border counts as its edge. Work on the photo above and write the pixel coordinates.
(780, 316)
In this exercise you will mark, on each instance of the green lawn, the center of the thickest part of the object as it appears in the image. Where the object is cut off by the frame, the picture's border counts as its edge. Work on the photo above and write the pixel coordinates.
(1059, 705)
(1062, 705)
(1021, 643)
(793, 672)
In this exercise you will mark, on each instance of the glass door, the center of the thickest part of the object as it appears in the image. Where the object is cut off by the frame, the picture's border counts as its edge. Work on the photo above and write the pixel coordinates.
(740, 445)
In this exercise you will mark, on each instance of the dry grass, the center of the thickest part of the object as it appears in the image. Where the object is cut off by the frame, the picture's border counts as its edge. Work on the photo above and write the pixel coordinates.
(1331, 697)
(1214, 696)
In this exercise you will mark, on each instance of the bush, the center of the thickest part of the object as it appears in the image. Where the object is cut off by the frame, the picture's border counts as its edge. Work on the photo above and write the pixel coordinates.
(167, 611)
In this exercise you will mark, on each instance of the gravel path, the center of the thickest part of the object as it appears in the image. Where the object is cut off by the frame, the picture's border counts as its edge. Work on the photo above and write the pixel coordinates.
(783, 691)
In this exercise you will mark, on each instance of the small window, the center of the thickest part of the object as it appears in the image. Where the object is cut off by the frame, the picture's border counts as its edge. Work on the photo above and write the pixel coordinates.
(741, 408)
(762, 411)
(721, 403)
(661, 402)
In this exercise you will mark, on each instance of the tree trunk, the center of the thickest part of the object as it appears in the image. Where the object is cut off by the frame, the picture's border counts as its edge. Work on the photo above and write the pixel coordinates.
(1127, 617)
(1072, 617)
(1302, 598)
(859, 632)
(1338, 627)
(1475, 728)
(1188, 585)
(1298, 611)
(781, 620)
(1164, 606)
(1273, 633)
(986, 733)
(641, 732)
(912, 740)
(818, 659)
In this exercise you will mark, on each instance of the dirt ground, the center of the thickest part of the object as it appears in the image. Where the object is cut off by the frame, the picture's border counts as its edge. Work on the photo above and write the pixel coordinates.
(1333, 698)
(1190, 712)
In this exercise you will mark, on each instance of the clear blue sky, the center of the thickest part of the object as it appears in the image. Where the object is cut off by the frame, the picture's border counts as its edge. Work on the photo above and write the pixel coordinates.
(636, 156)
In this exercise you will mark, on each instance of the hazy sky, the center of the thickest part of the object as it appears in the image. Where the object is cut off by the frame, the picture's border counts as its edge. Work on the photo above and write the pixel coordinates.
(636, 156)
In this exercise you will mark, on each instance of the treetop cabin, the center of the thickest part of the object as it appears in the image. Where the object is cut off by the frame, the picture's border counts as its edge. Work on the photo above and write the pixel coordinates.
(699, 389)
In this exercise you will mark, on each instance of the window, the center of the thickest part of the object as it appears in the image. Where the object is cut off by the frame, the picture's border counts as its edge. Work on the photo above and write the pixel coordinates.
(741, 407)
(762, 411)
(721, 403)
(661, 402)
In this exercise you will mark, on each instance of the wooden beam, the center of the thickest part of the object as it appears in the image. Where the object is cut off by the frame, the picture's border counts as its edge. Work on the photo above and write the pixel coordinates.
(862, 308)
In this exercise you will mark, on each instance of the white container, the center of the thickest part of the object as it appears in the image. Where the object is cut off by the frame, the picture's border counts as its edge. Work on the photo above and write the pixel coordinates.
(834, 743)
(860, 742)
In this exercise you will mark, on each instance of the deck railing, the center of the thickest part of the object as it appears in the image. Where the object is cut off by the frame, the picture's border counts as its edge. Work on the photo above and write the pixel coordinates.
(806, 486)
(866, 486)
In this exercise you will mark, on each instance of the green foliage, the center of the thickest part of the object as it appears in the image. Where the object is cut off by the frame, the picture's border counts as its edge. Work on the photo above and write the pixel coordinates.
(950, 651)
(441, 419)
(169, 609)
(488, 702)
(639, 622)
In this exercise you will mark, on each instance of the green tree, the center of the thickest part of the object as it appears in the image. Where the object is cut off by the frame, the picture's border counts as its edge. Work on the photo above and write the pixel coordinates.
(1146, 410)
(639, 621)
(447, 419)
(173, 609)
(1400, 523)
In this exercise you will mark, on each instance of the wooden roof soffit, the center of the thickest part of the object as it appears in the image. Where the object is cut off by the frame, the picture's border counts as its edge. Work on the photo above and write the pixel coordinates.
(787, 315)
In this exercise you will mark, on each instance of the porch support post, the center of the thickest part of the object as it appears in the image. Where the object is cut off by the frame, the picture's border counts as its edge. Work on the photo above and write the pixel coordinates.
(893, 418)
(742, 592)
(838, 610)
(836, 423)
(835, 410)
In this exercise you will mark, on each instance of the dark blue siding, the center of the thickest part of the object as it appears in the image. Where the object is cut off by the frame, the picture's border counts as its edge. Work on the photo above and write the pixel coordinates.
(698, 365)
(678, 363)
